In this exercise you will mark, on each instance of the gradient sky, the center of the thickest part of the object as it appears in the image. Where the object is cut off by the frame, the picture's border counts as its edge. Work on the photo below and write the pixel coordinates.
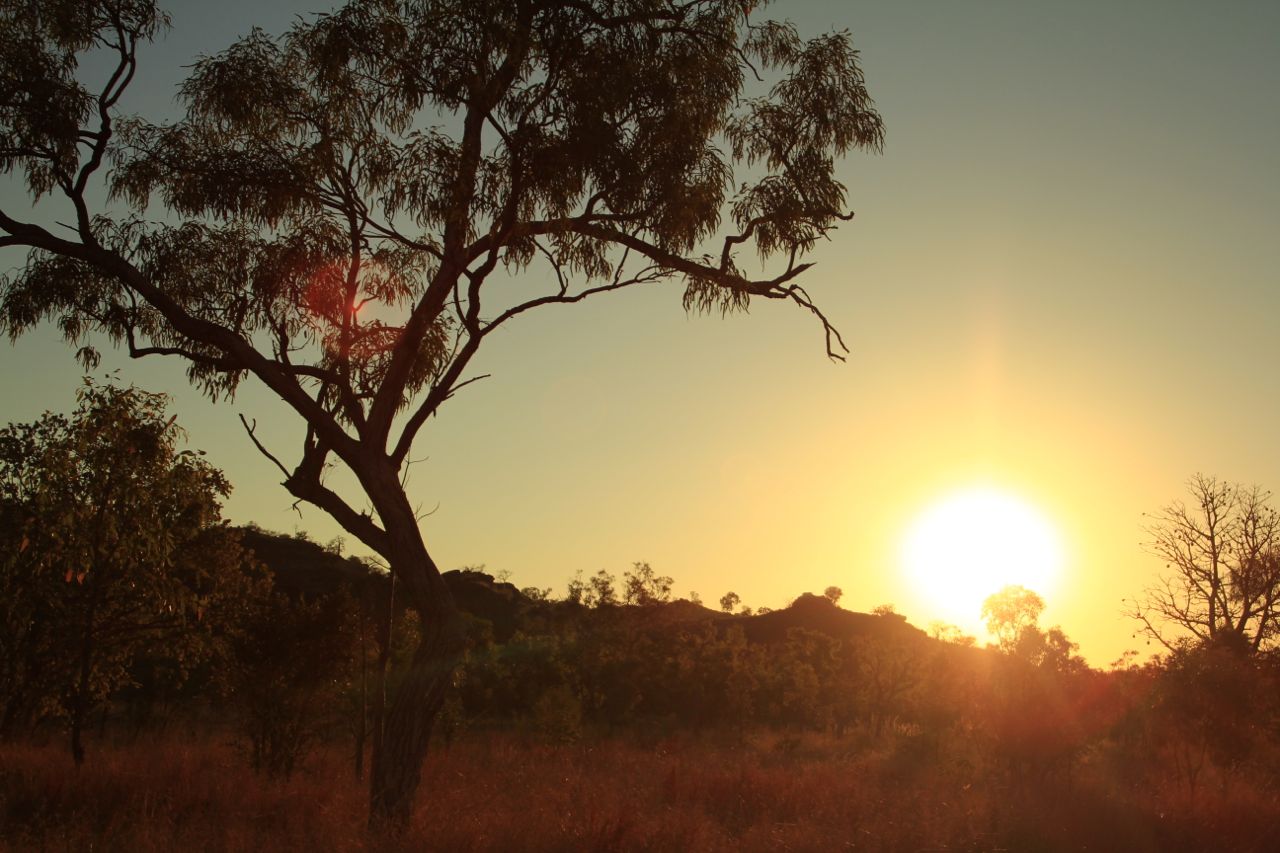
(1061, 281)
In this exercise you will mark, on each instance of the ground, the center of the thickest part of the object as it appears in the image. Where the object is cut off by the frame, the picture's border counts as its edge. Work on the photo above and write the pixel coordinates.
(504, 792)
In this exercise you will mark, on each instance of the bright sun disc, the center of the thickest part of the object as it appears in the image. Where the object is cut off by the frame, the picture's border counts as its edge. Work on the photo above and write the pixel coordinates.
(974, 543)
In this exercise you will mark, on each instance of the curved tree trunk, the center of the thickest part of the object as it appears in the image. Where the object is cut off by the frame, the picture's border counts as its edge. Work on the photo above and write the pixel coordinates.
(396, 768)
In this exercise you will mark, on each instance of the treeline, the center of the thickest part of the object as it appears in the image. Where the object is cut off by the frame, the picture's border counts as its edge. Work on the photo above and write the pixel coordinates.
(127, 605)
(314, 658)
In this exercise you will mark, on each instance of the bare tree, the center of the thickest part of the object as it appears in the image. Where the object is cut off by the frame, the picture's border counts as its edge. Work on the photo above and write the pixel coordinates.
(1222, 567)
(344, 208)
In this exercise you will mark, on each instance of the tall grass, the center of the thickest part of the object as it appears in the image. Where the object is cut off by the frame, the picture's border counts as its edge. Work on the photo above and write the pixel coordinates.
(504, 793)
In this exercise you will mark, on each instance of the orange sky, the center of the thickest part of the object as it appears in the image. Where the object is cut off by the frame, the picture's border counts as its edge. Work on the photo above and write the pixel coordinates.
(1060, 281)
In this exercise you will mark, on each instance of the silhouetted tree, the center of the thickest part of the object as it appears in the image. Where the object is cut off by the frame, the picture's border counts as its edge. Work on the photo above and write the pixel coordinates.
(833, 594)
(887, 671)
(948, 633)
(1221, 552)
(31, 663)
(644, 587)
(1009, 611)
(576, 591)
(728, 601)
(1211, 704)
(601, 590)
(340, 202)
(1048, 649)
(120, 550)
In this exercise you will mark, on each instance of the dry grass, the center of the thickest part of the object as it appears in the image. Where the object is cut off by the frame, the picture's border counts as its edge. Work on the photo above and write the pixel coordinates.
(501, 793)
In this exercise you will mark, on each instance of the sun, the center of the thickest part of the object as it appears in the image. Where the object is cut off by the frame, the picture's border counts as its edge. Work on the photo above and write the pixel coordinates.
(975, 542)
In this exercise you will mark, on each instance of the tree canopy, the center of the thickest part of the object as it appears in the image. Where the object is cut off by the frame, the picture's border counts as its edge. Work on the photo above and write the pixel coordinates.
(114, 545)
(1010, 611)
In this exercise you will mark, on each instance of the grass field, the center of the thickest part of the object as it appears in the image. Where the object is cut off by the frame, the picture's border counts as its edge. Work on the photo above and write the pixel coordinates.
(504, 793)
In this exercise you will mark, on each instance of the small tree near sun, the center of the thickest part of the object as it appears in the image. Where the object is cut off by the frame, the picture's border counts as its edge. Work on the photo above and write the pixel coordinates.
(1009, 611)
(833, 594)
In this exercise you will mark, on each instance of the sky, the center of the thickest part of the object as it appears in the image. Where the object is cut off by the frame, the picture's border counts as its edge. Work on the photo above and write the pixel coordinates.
(1060, 283)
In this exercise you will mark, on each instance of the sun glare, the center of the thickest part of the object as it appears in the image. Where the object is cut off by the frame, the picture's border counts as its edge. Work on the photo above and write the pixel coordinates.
(976, 542)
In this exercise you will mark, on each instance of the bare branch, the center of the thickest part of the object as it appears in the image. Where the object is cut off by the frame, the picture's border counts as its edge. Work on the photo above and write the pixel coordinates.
(251, 429)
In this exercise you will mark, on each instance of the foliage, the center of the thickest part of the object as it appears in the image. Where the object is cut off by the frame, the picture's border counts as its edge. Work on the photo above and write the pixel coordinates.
(642, 586)
(336, 211)
(292, 661)
(1211, 706)
(116, 552)
(909, 717)
(1010, 611)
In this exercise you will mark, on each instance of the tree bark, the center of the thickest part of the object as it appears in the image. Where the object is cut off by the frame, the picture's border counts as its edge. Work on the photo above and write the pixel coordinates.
(396, 767)
(80, 698)
(362, 722)
(386, 622)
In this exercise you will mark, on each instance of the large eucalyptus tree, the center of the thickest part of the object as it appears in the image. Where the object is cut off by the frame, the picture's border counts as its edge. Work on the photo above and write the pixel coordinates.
(337, 203)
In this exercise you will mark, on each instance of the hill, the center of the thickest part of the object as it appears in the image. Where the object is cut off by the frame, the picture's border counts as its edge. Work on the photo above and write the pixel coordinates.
(303, 568)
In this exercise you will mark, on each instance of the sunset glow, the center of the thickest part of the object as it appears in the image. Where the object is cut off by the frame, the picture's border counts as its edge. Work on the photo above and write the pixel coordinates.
(974, 542)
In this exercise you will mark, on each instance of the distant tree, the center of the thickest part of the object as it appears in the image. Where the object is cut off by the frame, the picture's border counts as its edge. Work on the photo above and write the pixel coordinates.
(344, 207)
(886, 610)
(949, 633)
(121, 549)
(1221, 553)
(833, 594)
(728, 601)
(576, 592)
(534, 593)
(887, 671)
(643, 586)
(601, 590)
(1009, 611)
(1049, 649)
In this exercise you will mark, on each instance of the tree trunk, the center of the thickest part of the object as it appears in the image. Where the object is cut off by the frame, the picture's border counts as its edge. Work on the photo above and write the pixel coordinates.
(80, 699)
(385, 625)
(396, 766)
(362, 722)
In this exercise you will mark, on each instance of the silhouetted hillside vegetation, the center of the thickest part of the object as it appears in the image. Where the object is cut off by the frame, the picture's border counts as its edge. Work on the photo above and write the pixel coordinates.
(304, 568)
(298, 673)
